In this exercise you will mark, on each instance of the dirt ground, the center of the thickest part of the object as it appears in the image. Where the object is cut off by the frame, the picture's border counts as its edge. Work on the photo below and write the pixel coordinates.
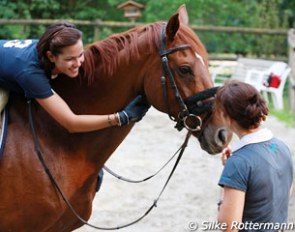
(191, 196)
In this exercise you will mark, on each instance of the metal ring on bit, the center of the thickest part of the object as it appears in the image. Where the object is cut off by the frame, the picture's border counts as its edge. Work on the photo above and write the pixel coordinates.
(193, 117)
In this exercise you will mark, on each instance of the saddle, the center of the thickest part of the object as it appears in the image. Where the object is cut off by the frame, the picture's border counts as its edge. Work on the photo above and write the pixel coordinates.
(4, 96)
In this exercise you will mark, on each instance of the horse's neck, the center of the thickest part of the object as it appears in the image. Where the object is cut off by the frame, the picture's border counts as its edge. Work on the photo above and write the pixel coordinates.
(107, 93)
(56, 142)
(120, 68)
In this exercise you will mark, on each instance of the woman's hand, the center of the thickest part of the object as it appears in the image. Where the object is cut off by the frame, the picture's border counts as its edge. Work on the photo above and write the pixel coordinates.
(134, 111)
(225, 155)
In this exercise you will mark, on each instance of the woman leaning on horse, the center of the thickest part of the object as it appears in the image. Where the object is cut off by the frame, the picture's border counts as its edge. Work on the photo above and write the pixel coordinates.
(27, 66)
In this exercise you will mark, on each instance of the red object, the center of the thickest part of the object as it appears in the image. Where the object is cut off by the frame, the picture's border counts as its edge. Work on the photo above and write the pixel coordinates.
(274, 81)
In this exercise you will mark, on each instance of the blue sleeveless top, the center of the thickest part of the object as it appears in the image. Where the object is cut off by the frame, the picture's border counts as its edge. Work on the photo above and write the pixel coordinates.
(20, 69)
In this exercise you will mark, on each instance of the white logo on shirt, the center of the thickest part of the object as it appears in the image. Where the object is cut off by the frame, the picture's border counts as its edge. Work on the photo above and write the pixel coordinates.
(18, 43)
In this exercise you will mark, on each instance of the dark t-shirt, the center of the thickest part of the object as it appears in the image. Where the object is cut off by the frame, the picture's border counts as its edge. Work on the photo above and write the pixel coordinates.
(20, 69)
(264, 172)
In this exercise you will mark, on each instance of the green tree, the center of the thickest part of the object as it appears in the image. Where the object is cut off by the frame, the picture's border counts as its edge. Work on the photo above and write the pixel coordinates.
(238, 13)
(269, 17)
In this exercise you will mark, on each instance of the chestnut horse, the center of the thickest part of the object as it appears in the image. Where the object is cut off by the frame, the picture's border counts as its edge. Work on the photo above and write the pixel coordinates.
(114, 72)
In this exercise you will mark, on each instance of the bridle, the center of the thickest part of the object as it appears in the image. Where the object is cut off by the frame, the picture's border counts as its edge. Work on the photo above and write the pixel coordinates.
(194, 105)
(188, 107)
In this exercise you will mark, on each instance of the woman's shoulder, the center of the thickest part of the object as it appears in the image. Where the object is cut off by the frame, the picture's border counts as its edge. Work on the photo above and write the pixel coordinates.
(240, 158)
(19, 50)
(18, 43)
(246, 156)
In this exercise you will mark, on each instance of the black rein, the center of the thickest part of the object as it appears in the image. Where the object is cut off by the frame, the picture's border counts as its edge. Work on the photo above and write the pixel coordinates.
(67, 202)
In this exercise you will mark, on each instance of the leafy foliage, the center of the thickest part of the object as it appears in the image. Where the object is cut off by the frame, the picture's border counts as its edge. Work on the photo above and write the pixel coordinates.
(236, 13)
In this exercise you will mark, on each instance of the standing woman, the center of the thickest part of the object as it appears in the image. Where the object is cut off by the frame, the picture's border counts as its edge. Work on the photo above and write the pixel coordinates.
(258, 175)
(27, 66)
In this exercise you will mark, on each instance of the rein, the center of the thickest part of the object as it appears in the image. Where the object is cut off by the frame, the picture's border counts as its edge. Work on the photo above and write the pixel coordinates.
(120, 177)
(65, 199)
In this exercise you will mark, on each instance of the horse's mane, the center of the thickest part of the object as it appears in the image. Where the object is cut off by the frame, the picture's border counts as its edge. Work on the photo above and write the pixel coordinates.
(103, 56)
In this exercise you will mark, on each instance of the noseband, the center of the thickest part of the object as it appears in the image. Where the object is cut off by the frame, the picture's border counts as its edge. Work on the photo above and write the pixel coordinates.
(194, 105)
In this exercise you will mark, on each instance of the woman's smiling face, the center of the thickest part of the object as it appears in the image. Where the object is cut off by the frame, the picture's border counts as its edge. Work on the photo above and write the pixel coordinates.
(69, 60)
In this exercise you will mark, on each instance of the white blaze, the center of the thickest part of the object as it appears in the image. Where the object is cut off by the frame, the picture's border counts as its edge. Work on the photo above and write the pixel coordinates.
(200, 58)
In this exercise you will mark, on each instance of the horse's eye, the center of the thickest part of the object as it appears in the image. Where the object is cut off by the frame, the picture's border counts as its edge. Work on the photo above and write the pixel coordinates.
(184, 70)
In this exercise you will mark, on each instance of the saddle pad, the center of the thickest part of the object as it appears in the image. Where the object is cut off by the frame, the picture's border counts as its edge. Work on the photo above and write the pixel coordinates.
(3, 133)
(4, 96)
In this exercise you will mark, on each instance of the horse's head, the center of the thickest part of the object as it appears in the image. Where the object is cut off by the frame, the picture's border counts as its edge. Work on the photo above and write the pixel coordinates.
(167, 62)
(185, 91)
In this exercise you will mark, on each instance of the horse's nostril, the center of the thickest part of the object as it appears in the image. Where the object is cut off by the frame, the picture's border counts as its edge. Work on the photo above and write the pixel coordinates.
(222, 136)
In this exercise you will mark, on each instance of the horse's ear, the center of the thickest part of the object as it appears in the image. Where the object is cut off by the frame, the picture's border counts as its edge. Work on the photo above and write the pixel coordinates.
(183, 15)
(172, 27)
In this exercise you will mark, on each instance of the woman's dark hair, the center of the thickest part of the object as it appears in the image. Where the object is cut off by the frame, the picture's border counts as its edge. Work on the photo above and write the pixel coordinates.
(56, 37)
(243, 103)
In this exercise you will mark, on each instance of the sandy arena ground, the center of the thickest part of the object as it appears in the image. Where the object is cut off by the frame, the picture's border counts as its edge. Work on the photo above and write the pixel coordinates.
(191, 196)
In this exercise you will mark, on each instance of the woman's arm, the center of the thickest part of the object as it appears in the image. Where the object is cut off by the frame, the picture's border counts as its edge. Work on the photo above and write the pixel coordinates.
(61, 112)
(231, 208)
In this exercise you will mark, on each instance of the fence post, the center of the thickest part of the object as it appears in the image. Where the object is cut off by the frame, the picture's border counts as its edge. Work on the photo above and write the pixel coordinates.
(96, 30)
(291, 41)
